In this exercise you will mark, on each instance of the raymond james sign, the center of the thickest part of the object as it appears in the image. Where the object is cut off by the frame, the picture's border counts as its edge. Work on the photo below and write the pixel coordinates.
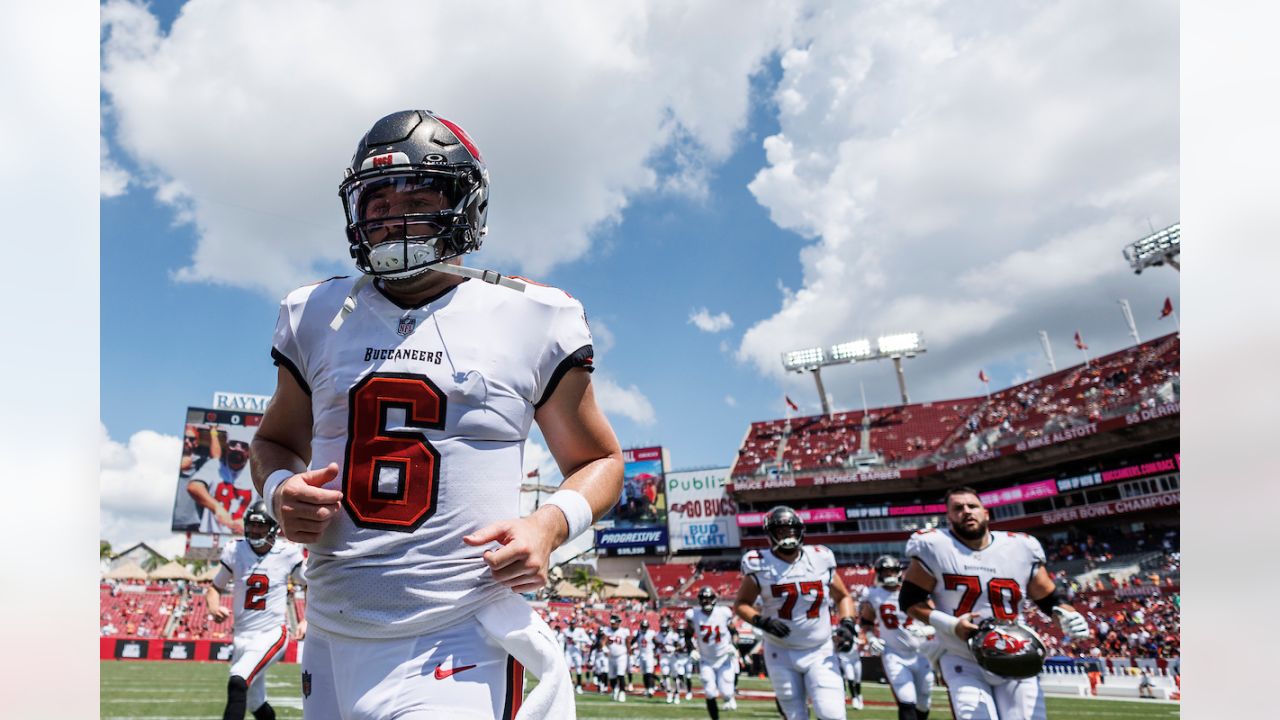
(701, 513)
(240, 401)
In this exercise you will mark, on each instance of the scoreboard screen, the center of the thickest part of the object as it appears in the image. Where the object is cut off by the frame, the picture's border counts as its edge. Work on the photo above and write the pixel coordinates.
(214, 488)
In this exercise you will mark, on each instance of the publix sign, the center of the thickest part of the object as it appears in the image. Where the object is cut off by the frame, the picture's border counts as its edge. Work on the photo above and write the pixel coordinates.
(700, 512)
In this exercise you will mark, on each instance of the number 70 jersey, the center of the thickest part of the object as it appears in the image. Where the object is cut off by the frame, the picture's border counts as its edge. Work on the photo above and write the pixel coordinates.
(991, 582)
(795, 593)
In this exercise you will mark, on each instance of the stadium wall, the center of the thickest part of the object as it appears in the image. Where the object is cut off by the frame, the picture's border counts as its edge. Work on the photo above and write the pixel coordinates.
(130, 648)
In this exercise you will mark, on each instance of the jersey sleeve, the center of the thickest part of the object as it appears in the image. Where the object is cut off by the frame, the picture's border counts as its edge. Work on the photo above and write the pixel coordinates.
(286, 351)
(751, 563)
(688, 616)
(226, 568)
(569, 346)
(297, 570)
(920, 546)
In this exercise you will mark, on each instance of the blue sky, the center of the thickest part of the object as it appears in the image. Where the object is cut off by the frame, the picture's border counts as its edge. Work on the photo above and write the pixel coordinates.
(809, 173)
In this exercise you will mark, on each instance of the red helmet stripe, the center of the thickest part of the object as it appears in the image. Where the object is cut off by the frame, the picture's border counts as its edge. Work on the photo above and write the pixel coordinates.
(462, 135)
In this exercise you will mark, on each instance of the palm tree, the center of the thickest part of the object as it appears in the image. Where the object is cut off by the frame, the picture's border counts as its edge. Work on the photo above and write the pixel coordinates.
(104, 550)
(153, 561)
(583, 579)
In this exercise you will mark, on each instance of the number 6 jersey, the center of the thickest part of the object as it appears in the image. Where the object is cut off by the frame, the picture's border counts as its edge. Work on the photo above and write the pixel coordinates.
(991, 582)
(795, 593)
(425, 410)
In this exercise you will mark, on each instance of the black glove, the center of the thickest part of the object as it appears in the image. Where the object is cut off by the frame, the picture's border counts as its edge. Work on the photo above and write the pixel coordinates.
(846, 634)
(773, 626)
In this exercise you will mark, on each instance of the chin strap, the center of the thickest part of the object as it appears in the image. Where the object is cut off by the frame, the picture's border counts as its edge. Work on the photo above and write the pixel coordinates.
(488, 276)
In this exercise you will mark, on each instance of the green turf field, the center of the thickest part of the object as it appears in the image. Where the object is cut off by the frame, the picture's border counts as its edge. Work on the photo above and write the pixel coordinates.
(197, 690)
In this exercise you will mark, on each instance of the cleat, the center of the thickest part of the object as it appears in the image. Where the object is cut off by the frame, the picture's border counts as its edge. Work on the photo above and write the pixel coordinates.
(857, 703)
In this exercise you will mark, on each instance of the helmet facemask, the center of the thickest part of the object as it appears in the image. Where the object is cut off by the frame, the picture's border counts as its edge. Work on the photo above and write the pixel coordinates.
(259, 529)
(706, 600)
(400, 222)
(785, 529)
(888, 572)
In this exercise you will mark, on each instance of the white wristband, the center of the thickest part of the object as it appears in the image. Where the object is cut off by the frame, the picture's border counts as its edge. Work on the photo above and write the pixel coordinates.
(269, 488)
(943, 622)
(576, 509)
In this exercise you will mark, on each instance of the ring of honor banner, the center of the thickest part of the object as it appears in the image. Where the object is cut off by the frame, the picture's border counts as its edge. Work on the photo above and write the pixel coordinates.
(214, 486)
(637, 525)
(701, 513)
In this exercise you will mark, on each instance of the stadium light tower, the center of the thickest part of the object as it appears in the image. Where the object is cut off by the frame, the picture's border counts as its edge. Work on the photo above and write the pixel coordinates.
(886, 347)
(1156, 249)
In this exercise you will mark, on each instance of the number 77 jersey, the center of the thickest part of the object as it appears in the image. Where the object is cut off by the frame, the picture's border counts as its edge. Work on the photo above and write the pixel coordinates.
(991, 582)
(795, 593)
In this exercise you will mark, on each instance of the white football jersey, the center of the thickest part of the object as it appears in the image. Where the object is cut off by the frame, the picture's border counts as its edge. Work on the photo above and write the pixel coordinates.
(795, 592)
(233, 489)
(711, 631)
(425, 410)
(261, 583)
(892, 622)
(576, 637)
(645, 643)
(670, 642)
(991, 582)
(617, 640)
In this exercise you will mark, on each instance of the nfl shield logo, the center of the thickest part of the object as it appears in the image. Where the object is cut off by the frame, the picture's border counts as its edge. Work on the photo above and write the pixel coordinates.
(306, 684)
(406, 326)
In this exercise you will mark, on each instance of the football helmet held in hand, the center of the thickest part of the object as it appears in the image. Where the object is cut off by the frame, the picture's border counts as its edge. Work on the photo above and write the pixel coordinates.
(1007, 649)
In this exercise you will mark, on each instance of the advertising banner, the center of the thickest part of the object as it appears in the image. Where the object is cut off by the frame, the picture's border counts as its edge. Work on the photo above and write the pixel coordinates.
(641, 507)
(701, 513)
(816, 515)
(214, 487)
(179, 650)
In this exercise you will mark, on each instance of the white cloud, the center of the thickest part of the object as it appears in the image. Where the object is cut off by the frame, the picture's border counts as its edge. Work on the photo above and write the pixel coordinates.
(731, 401)
(138, 480)
(602, 340)
(971, 172)
(706, 322)
(243, 114)
(629, 402)
(113, 179)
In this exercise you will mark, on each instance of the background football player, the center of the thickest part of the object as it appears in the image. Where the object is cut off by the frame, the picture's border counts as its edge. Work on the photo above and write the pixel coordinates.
(643, 646)
(965, 573)
(617, 638)
(902, 642)
(711, 627)
(573, 640)
(793, 581)
(259, 569)
(669, 641)
(849, 653)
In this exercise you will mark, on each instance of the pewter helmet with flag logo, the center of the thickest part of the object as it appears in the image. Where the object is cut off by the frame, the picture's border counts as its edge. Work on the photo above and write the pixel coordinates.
(435, 171)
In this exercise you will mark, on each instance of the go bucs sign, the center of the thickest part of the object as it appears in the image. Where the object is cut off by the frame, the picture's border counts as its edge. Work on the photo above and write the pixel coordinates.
(701, 514)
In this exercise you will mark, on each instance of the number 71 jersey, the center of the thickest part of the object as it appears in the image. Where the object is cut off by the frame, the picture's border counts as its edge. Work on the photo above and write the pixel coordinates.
(991, 582)
(795, 592)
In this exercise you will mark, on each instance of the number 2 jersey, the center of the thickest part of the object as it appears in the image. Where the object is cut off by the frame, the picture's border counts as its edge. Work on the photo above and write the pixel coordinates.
(991, 582)
(795, 592)
(261, 583)
(425, 410)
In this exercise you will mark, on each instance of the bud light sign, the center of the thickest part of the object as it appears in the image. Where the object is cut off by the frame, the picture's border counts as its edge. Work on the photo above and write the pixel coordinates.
(701, 513)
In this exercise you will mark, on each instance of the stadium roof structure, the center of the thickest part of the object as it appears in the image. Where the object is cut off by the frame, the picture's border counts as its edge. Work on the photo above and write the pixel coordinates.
(127, 571)
(171, 571)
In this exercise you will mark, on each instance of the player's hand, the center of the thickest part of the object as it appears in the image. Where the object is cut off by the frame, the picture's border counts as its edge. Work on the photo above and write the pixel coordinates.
(774, 627)
(1073, 623)
(220, 613)
(875, 645)
(524, 559)
(966, 627)
(301, 632)
(304, 507)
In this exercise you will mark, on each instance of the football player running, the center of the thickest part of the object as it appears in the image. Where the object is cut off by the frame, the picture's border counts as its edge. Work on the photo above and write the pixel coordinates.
(792, 580)
(966, 575)
(617, 640)
(670, 643)
(849, 653)
(573, 639)
(260, 568)
(903, 642)
(643, 645)
(394, 441)
(710, 626)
